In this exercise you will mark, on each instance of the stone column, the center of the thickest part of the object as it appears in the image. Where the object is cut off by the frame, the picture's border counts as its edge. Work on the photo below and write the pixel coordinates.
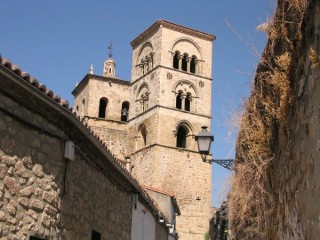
(145, 66)
(197, 66)
(180, 57)
(141, 68)
(188, 63)
(141, 105)
(183, 103)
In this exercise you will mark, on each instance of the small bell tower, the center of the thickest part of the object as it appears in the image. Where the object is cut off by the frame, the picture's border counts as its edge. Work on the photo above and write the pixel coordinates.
(109, 66)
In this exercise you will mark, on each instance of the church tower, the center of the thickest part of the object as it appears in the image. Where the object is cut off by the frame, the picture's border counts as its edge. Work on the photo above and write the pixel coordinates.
(170, 101)
(151, 121)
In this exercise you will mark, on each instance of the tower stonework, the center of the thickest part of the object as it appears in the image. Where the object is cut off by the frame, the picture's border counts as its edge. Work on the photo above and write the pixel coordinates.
(167, 102)
(171, 100)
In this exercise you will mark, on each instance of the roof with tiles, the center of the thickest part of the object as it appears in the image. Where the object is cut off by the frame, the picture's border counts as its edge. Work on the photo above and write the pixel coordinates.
(170, 194)
(65, 104)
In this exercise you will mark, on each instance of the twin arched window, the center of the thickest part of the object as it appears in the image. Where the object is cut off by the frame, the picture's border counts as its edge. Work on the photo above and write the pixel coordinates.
(143, 97)
(184, 62)
(183, 101)
(146, 64)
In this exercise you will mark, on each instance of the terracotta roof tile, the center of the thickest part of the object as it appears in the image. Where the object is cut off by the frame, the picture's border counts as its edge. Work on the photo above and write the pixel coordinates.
(33, 81)
(170, 194)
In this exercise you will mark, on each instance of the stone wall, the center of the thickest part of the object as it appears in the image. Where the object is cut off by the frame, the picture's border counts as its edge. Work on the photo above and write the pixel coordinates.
(44, 195)
(31, 166)
(159, 163)
(276, 186)
(296, 172)
(183, 173)
(93, 202)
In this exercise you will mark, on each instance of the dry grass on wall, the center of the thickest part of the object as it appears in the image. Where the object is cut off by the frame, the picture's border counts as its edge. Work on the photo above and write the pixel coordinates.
(263, 123)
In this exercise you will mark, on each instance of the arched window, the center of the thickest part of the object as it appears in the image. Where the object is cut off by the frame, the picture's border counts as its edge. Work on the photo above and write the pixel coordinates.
(144, 103)
(187, 102)
(142, 137)
(176, 60)
(193, 64)
(184, 63)
(102, 107)
(143, 97)
(184, 94)
(181, 137)
(124, 111)
(179, 100)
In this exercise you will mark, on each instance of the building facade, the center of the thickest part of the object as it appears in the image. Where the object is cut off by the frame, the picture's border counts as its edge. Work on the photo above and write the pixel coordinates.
(151, 120)
(58, 178)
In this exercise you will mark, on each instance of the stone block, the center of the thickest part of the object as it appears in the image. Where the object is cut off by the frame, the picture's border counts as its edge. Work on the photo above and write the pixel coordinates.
(45, 220)
(21, 170)
(12, 185)
(37, 204)
(3, 170)
(50, 210)
(11, 220)
(24, 202)
(44, 184)
(3, 217)
(48, 197)
(12, 207)
(32, 214)
(27, 161)
(38, 170)
(30, 181)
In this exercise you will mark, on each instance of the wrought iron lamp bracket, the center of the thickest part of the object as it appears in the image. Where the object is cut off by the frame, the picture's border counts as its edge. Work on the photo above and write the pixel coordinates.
(226, 163)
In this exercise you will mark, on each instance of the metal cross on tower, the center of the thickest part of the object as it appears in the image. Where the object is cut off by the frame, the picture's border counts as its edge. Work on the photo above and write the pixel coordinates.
(110, 49)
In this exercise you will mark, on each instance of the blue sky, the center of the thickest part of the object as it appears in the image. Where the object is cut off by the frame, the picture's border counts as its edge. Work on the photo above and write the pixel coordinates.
(56, 41)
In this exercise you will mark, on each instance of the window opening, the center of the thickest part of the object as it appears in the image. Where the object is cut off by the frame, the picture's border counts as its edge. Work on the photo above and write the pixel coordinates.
(184, 63)
(124, 111)
(181, 137)
(102, 107)
(95, 235)
(176, 60)
(187, 102)
(178, 101)
(193, 65)
(144, 104)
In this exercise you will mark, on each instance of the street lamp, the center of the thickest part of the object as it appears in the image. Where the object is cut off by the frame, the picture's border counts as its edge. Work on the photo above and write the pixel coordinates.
(204, 140)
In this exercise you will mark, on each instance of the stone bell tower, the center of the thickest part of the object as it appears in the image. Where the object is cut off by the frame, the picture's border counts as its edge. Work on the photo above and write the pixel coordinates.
(170, 101)
(109, 66)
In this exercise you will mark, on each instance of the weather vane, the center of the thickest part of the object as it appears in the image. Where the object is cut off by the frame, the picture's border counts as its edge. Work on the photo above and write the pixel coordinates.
(110, 49)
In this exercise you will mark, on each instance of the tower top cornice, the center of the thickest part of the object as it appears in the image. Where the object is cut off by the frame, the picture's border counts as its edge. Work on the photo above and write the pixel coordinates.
(164, 23)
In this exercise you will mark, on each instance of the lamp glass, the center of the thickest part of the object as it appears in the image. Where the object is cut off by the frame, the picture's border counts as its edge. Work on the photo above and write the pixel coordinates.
(204, 144)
